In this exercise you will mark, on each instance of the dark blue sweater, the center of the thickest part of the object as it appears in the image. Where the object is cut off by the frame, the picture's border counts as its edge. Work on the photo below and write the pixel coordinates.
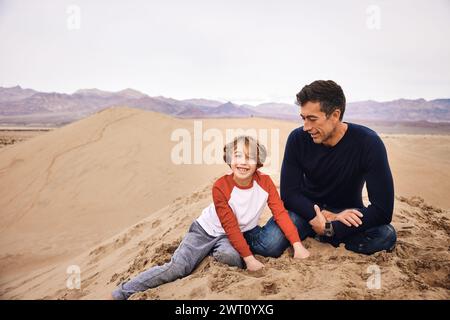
(333, 177)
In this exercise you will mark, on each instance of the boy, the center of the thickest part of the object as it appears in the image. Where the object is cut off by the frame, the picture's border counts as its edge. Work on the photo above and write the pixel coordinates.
(221, 230)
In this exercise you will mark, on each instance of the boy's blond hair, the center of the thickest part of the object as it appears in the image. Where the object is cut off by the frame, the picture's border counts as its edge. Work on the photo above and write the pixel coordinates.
(252, 147)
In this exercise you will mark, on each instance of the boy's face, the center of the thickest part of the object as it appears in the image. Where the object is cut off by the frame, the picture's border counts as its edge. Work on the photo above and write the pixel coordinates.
(244, 161)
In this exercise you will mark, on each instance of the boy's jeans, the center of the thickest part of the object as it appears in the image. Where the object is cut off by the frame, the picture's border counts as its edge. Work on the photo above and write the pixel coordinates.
(269, 241)
(196, 245)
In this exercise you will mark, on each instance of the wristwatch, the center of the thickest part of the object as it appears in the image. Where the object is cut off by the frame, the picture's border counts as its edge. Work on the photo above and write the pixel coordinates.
(329, 232)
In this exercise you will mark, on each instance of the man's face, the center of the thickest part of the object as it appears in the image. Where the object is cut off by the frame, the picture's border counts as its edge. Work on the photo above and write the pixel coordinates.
(316, 122)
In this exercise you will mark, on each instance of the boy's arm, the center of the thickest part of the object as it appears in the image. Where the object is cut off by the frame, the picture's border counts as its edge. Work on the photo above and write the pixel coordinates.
(229, 223)
(280, 214)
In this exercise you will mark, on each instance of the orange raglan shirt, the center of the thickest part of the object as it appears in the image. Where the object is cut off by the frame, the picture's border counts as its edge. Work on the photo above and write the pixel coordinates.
(237, 209)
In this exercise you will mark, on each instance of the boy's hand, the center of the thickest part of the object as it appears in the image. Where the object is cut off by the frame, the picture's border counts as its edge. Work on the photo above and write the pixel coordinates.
(300, 252)
(253, 264)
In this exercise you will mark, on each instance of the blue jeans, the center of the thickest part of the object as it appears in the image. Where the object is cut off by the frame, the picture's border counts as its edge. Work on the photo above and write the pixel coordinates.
(269, 240)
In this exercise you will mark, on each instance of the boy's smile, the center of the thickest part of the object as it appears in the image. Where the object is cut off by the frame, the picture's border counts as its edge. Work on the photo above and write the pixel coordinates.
(243, 167)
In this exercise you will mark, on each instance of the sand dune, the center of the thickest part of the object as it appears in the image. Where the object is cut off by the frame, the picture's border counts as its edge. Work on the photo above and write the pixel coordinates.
(418, 268)
(52, 203)
(103, 194)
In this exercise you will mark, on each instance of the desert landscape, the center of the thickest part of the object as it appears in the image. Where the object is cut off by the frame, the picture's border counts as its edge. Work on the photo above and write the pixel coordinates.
(102, 194)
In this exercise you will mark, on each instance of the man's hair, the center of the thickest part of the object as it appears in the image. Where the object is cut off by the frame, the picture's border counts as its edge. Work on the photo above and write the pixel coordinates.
(253, 147)
(328, 93)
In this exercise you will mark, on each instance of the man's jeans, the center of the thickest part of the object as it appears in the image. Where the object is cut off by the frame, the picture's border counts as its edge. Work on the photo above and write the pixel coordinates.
(269, 240)
(196, 245)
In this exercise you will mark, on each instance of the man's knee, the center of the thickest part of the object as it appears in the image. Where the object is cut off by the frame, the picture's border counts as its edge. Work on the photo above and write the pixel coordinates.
(390, 236)
(229, 257)
(380, 238)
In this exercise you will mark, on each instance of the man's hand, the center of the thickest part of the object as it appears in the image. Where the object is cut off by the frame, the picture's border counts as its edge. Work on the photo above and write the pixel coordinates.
(253, 264)
(330, 216)
(300, 252)
(350, 217)
(318, 223)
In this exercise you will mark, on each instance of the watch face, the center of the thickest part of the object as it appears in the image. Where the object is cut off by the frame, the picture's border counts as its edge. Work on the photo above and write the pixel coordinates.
(328, 231)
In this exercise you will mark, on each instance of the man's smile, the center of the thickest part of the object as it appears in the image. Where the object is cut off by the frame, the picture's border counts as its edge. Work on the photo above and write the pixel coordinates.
(314, 135)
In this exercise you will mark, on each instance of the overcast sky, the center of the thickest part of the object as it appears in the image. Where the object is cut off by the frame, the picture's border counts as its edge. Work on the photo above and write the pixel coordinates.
(237, 50)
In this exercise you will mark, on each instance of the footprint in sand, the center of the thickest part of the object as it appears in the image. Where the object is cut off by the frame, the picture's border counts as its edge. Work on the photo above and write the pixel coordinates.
(197, 293)
(156, 223)
(269, 288)
(222, 280)
(101, 251)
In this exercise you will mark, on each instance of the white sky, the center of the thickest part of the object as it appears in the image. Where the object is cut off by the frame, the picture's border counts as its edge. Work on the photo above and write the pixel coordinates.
(246, 51)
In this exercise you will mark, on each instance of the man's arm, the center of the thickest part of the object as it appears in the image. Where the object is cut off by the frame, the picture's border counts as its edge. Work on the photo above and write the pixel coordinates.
(290, 179)
(380, 188)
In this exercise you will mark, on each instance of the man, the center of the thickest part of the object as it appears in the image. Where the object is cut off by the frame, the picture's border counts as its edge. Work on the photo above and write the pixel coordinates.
(325, 166)
(326, 163)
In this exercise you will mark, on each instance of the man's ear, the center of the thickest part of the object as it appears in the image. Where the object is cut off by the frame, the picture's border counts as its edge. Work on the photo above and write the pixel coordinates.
(336, 114)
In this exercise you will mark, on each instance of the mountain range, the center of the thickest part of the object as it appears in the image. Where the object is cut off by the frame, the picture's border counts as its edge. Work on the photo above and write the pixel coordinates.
(19, 106)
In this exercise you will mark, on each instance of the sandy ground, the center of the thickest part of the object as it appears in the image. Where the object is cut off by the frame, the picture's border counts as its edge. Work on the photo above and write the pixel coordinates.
(103, 194)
